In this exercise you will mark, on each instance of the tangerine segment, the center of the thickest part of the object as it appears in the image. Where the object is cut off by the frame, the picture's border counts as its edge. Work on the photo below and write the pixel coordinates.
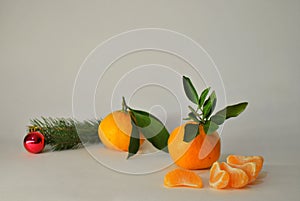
(218, 178)
(240, 160)
(181, 177)
(249, 168)
(237, 177)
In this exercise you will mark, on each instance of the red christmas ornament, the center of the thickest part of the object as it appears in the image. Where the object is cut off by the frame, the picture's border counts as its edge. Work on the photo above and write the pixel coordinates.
(34, 142)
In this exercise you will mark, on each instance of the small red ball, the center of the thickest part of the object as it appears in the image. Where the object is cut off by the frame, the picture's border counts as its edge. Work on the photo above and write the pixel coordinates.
(34, 142)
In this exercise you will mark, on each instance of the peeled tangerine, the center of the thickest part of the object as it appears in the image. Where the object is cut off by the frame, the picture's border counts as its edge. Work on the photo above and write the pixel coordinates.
(236, 173)
(181, 177)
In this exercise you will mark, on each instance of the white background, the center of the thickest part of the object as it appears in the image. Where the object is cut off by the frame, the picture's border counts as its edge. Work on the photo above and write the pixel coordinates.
(255, 45)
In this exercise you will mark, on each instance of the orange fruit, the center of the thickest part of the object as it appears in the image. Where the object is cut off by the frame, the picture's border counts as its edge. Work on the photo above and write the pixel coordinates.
(218, 178)
(115, 129)
(200, 153)
(181, 177)
(237, 177)
(240, 160)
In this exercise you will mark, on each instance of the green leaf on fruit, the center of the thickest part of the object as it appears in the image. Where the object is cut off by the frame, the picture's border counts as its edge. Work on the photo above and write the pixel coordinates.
(209, 105)
(210, 127)
(232, 110)
(219, 117)
(152, 128)
(205, 108)
(203, 97)
(190, 132)
(134, 143)
(190, 90)
(193, 117)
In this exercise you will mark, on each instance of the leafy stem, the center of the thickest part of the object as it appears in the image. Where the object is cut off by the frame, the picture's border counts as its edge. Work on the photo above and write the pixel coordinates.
(151, 127)
(206, 104)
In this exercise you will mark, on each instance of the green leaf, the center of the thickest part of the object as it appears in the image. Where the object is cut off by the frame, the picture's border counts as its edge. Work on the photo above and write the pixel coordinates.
(214, 102)
(206, 108)
(210, 127)
(190, 132)
(152, 128)
(203, 97)
(134, 143)
(209, 105)
(193, 117)
(232, 110)
(219, 117)
(190, 90)
(192, 110)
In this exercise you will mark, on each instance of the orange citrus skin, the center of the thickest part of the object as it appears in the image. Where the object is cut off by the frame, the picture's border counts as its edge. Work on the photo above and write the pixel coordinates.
(200, 153)
(181, 178)
(115, 129)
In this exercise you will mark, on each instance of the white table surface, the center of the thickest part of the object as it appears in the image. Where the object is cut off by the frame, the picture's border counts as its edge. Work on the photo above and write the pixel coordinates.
(254, 43)
(75, 175)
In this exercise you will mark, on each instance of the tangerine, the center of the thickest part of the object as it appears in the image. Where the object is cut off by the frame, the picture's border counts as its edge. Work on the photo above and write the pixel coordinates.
(200, 153)
(115, 129)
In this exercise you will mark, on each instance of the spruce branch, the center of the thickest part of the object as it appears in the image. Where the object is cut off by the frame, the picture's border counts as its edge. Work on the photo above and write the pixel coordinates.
(66, 133)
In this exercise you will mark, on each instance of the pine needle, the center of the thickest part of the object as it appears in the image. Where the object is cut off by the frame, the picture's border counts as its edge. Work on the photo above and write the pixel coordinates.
(66, 133)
